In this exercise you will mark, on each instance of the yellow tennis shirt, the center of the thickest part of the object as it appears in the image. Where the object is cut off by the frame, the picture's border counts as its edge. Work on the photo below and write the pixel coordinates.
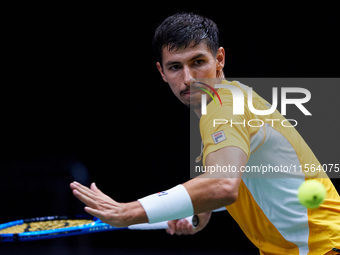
(267, 208)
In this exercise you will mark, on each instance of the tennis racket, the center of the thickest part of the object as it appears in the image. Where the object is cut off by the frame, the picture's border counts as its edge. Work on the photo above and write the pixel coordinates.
(60, 226)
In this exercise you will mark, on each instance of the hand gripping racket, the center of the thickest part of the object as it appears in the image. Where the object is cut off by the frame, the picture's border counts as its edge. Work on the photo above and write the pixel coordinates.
(59, 226)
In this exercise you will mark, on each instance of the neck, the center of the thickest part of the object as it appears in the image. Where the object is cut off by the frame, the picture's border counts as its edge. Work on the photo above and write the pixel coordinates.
(198, 112)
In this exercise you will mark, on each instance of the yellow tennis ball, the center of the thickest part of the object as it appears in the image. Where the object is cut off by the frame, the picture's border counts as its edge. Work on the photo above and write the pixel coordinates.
(311, 194)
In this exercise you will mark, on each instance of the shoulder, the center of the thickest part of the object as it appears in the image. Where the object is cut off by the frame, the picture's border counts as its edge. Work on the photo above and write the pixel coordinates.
(228, 88)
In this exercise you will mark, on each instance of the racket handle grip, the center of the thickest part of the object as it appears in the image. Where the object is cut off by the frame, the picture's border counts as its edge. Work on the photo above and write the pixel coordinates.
(194, 220)
(162, 225)
(148, 226)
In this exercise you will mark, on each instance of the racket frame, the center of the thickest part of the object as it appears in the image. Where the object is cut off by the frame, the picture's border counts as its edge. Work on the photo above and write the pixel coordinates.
(95, 226)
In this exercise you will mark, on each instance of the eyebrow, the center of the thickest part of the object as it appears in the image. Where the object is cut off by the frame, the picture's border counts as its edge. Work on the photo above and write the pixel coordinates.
(169, 63)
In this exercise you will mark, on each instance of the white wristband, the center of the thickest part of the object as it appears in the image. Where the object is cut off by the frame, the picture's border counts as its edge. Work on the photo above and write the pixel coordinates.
(172, 204)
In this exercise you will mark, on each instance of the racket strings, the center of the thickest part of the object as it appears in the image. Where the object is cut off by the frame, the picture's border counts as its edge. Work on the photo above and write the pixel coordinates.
(44, 225)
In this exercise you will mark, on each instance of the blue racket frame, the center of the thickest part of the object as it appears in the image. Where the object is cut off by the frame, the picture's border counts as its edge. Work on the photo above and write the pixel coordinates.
(96, 226)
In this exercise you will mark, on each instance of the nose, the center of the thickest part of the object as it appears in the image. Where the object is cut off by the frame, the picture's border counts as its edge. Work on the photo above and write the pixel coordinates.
(188, 76)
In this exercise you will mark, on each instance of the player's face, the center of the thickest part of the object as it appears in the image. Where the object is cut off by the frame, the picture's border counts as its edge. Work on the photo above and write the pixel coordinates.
(182, 66)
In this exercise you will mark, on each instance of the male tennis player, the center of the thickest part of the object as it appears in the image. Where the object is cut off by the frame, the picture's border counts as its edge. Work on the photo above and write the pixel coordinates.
(266, 209)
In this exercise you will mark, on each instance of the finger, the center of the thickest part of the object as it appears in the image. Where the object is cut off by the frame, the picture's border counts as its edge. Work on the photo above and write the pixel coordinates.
(72, 185)
(190, 229)
(93, 212)
(179, 228)
(97, 191)
(80, 186)
(92, 192)
(94, 188)
(172, 227)
(84, 190)
(83, 196)
(85, 199)
(168, 230)
(75, 183)
(184, 226)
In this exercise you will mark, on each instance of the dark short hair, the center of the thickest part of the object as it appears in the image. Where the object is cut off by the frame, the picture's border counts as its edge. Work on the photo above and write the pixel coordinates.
(181, 29)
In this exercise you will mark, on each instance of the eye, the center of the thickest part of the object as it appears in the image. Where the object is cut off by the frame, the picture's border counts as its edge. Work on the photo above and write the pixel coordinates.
(174, 67)
(198, 61)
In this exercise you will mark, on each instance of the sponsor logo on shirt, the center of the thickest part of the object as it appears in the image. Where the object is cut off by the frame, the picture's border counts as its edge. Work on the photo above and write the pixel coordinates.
(219, 137)
(162, 193)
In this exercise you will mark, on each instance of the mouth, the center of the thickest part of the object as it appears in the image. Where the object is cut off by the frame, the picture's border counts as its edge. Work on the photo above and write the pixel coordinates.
(190, 93)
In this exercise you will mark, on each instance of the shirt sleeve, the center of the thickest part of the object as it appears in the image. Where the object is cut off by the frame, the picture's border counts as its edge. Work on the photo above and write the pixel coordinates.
(219, 128)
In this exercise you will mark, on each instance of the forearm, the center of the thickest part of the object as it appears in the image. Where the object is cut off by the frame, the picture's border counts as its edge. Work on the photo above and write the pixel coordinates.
(204, 193)
(214, 190)
(208, 194)
(134, 213)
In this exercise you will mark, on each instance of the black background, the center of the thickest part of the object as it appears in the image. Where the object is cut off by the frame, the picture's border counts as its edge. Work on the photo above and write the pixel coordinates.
(81, 98)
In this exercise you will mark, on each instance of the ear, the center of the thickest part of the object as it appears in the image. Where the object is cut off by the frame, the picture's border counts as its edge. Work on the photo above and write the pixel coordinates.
(220, 59)
(159, 67)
